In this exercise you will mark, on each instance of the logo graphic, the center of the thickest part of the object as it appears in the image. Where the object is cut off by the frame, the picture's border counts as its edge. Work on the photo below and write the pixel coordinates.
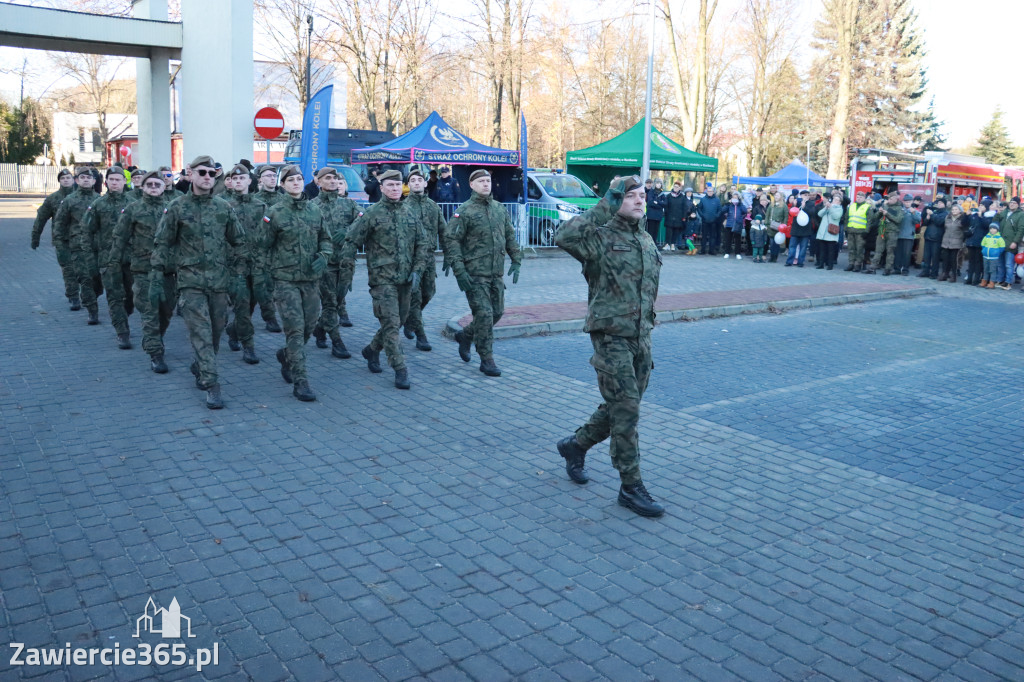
(170, 620)
(448, 137)
(664, 142)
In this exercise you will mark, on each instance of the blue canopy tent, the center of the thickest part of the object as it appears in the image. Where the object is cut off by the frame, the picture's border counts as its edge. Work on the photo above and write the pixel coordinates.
(435, 142)
(794, 174)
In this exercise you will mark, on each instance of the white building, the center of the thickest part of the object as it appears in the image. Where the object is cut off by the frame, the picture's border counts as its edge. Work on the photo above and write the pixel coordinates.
(79, 134)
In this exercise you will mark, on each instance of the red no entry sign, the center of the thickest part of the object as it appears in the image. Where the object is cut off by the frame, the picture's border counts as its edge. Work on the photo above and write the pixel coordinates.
(269, 123)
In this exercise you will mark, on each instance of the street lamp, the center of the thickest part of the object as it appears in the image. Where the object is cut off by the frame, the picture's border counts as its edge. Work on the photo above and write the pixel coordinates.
(309, 51)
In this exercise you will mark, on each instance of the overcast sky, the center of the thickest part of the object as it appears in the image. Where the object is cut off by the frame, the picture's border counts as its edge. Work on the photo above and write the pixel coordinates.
(973, 59)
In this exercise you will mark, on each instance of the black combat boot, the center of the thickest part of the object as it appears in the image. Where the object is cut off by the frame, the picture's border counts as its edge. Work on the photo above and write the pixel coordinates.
(488, 367)
(233, 343)
(303, 392)
(636, 498)
(321, 337)
(124, 342)
(422, 343)
(465, 345)
(76, 303)
(574, 455)
(194, 368)
(156, 362)
(372, 360)
(409, 334)
(213, 399)
(344, 321)
(273, 326)
(848, 268)
(338, 349)
(402, 378)
(286, 372)
(94, 317)
(249, 355)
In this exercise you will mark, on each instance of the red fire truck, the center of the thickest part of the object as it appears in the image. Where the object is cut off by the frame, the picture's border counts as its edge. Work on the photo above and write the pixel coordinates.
(932, 173)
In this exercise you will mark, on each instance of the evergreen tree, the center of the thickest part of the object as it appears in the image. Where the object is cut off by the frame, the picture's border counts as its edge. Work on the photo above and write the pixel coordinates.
(994, 141)
(929, 135)
(24, 132)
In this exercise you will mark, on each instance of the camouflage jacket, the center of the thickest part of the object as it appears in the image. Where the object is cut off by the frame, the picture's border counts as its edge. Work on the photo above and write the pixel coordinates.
(428, 215)
(478, 237)
(98, 225)
(622, 267)
(194, 237)
(269, 199)
(890, 220)
(295, 236)
(134, 233)
(48, 210)
(252, 256)
(339, 213)
(134, 194)
(65, 224)
(394, 243)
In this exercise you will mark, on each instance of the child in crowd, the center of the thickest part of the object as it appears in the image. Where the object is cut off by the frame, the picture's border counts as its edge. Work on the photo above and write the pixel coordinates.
(992, 247)
(758, 237)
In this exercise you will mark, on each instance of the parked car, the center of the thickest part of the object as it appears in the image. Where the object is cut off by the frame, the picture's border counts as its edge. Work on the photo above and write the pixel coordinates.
(553, 198)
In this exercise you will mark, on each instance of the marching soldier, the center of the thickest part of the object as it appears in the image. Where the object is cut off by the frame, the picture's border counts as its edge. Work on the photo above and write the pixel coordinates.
(477, 238)
(299, 246)
(622, 267)
(194, 238)
(46, 211)
(428, 215)
(396, 256)
(170, 191)
(135, 193)
(65, 231)
(339, 213)
(241, 335)
(267, 193)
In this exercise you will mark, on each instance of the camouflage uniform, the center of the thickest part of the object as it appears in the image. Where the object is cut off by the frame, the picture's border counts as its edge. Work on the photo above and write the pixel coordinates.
(95, 238)
(269, 198)
(622, 267)
(134, 194)
(890, 220)
(395, 248)
(295, 236)
(339, 213)
(477, 238)
(194, 238)
(244, 265)
(428, 215)
(133, 238)
(47, 211)
(66, 229)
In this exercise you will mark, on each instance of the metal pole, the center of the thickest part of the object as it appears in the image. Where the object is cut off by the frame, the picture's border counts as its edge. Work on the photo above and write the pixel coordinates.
(645, 168)
(309, 50)
(268, 151)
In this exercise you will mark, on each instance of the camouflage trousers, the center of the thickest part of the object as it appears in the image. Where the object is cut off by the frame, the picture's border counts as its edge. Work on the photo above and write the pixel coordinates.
(487, 303)
(90, 284)
(206, 314)
(391, 307)
(120, 301)
(72, 289)
(263, 290)
(154, 321)
(299, 303)
(855, 242)
(885, 246)
(623, 370)
(419, 301)
(333, 288)
(243, 303)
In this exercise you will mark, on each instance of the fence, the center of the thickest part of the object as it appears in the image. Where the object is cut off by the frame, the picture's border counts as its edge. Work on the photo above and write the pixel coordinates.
(535, 223)
(36, 179)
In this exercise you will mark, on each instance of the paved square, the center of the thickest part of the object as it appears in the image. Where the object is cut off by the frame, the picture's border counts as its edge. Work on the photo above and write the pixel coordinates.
(843, 487)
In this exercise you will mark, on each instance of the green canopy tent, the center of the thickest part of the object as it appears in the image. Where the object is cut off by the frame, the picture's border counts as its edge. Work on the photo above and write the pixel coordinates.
(623, 155)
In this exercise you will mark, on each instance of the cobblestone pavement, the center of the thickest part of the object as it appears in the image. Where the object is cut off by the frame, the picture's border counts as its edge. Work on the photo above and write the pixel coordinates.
(843, 489)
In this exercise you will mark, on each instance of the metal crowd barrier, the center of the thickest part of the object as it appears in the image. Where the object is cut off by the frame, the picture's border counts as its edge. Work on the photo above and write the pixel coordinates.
(35, 179)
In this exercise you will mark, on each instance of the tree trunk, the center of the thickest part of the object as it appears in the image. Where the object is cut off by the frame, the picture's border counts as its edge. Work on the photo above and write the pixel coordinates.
(845, 17)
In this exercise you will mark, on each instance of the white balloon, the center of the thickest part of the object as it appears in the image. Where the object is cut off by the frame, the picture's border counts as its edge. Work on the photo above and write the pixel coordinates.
(1020, 271)
(780, 238)
(802, 218)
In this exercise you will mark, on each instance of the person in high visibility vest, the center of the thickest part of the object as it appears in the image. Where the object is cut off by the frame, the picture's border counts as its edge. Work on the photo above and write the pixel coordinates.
(857, 230)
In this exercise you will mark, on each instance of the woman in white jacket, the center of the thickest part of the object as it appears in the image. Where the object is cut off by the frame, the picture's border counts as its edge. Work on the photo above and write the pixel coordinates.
(828, 233)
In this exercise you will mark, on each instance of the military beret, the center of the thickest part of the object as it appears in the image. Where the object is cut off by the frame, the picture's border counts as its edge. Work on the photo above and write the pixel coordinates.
(114, 170)
(138, 171)
(325, 171)
(63, 172)
(151, 175)
(246, 162)
(238, 169)
(165, 169)
(418, 172)
(263, 169)
(626, 184)
(83, 170)
(389, 175)
(289, 171)
(204, 160)
(479, 173)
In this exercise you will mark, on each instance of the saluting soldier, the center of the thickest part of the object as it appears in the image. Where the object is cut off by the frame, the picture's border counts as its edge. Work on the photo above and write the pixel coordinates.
(428, 215)
(339, 213)
(241, 335)
(133, 239)
(194, 237)
(622, 267)
(94, 242)
(65, 231)
(46, 211)
(478, 237)
(299, 246)
(396, 256)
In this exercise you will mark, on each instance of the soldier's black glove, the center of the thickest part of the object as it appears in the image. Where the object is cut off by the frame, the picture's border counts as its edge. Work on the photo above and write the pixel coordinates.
(614, 197)
(97, 282)
(464, 280)
(35, 243)
(414, 280)
(514, 271)
(319, 264)
(446, 268)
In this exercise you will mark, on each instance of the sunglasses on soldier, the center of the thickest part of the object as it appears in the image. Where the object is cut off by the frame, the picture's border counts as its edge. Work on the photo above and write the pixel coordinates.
(203, 172)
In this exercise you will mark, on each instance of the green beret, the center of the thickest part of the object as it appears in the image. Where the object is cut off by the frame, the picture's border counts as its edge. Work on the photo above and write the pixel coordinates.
(83, 170)
(289, 171)
(325, 171)
(114, 170)
(389, 175)
(238, 169)
(204, 160)
(626, 184)
(151, 175)
(479, 173)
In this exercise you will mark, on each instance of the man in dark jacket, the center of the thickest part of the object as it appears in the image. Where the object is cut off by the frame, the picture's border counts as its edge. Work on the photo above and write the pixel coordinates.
(677, 208)
(446, 192)
(934, 225)
(709, 212)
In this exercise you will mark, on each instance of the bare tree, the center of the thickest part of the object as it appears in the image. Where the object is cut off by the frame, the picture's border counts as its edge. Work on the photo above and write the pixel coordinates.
(691, 84)
(97, 78)
(285, 23)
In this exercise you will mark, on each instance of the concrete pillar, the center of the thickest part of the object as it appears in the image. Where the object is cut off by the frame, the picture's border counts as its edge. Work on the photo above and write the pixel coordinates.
(152, 96)
(217, 79)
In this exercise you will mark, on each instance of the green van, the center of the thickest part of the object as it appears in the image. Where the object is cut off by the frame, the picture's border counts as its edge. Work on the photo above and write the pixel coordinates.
(552, 198)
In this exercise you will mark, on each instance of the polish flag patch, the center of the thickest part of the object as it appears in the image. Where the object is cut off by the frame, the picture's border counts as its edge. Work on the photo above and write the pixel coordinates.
(456, 215)
(266, 219)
